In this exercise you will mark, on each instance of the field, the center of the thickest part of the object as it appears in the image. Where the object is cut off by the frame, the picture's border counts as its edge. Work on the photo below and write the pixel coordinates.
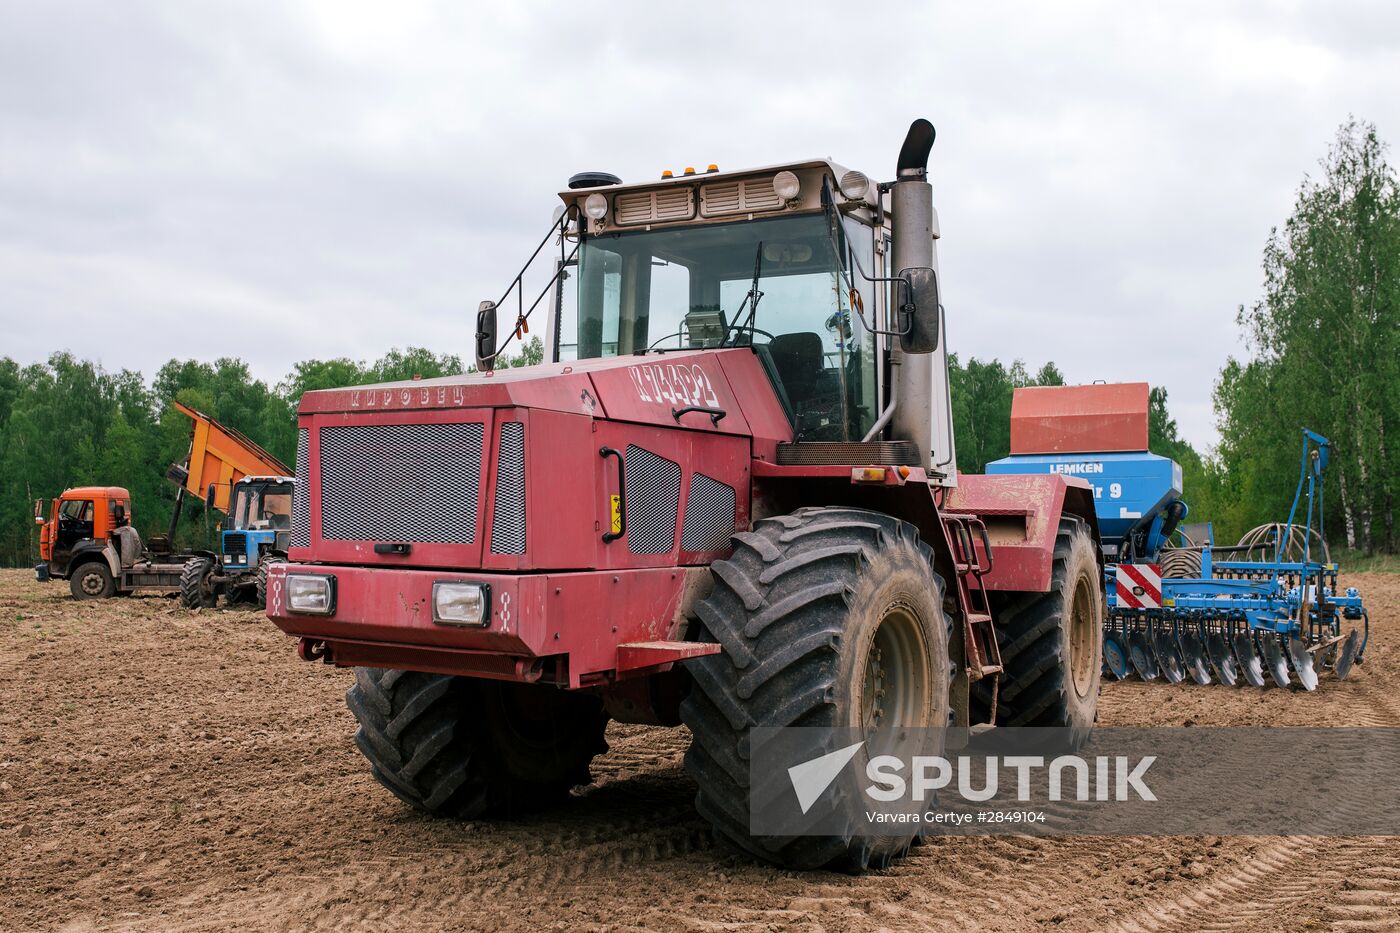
(161, 769)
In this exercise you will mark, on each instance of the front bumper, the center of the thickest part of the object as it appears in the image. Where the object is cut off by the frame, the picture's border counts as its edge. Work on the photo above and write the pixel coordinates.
(569, 626)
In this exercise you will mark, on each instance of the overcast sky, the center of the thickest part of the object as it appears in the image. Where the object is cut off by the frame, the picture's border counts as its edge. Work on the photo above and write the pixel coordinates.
(277, 181)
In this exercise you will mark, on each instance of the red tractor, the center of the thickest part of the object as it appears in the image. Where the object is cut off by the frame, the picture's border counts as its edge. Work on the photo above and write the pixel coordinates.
(726, 500)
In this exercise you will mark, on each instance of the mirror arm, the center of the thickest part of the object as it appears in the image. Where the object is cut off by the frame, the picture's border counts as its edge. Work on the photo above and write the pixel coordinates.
(828, 203)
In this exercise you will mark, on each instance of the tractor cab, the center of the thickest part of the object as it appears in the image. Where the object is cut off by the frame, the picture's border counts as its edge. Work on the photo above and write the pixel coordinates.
(260, 521)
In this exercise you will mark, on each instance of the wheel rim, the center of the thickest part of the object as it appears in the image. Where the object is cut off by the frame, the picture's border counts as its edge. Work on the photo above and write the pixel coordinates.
(92, 583)
(895, 685)
(1082, 637)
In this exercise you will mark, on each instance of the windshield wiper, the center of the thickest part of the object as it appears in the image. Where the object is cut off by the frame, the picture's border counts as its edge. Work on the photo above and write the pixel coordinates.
(750, 300)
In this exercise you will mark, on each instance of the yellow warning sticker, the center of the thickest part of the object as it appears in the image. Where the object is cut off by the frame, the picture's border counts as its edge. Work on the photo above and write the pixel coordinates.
(617, 515)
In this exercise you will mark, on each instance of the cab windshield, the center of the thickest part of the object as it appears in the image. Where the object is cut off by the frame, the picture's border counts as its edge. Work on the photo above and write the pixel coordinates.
(773, 285)
(259, 508)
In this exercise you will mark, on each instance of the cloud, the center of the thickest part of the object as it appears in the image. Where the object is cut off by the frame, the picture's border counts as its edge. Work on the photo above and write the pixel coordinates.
(278, 181)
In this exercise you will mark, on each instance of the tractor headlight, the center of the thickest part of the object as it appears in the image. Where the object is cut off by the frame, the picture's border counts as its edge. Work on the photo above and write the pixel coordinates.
(311, 594)
(854, 185)
(462, 603)
(786, 185)
(595, 206)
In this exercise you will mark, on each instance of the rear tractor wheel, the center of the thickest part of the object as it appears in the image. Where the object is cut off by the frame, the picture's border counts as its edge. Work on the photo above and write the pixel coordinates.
(828, 617)
(92, 580)
(1052, 644)
(467, 748)
(196, 584)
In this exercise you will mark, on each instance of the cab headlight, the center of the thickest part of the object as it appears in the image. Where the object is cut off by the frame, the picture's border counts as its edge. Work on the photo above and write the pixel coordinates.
(786, 185)
(462, 603)
(595, 206)
(311, 594)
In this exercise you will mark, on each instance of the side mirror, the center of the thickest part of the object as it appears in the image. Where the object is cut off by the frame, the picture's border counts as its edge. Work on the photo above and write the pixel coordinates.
(918, 312)
(38, 511)
(486, 336)
(209, 496)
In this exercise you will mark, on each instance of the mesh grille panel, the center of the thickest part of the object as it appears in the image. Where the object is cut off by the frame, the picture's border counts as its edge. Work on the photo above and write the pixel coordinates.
(508, 511)
(301, 495)
(709, 515)
(400, 482)
(653, 501)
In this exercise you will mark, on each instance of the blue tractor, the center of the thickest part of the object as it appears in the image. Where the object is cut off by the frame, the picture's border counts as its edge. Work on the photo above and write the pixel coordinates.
(257, 534)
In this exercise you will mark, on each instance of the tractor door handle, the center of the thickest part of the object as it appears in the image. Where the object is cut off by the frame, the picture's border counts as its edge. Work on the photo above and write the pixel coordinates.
(610, 536)
(716, 414)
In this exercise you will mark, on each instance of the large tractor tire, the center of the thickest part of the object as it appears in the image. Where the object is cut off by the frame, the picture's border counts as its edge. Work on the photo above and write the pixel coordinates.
(196, 587)
(92, 580)
(1052, 644)
(828, 617)
(260, 585)
(466, 748)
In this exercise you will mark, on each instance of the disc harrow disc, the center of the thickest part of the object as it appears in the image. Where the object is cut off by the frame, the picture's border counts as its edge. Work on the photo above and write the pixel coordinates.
(1218, 650)
(1251, 667)
(1302, 660)
(1115, 657)
(1274, 656)
(1169, 657)
(1193, 652)
(1140, 653)
(1347, 656)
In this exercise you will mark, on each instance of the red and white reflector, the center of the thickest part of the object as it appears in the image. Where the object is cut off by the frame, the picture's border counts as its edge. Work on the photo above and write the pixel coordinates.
(1139, 586)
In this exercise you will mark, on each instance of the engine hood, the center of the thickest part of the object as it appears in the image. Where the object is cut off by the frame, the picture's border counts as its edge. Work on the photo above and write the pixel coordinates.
(651, 389)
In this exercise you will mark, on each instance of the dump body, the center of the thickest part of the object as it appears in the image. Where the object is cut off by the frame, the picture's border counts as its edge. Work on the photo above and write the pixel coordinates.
(219, 457)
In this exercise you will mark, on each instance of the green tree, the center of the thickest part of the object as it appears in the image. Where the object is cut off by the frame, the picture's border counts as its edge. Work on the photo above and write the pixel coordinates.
(1325, 337)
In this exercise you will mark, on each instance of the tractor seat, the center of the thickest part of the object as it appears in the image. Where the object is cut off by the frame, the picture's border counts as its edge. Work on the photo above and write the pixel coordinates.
(798, 360)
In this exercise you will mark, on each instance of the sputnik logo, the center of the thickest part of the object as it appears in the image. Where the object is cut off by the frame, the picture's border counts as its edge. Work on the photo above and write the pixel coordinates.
(811, 778)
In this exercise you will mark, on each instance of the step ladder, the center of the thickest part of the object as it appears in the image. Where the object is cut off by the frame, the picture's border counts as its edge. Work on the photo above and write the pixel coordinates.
(964, 533)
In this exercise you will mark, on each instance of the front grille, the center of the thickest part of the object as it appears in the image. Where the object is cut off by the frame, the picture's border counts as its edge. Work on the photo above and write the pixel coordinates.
(301, 495)
(235, 544)
(508, 509)
(709, 515)
(401, 482)
(653, 501)
(855, 453)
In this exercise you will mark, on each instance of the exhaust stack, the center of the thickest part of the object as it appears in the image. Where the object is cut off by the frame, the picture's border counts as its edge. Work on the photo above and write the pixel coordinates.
(911, 201)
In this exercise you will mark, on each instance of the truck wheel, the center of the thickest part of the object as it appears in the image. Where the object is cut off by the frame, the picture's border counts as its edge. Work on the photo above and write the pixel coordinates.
(1052, 643)
(467, 748)
(196, 589)
(260, 586)
(92, 580)
(828, 617)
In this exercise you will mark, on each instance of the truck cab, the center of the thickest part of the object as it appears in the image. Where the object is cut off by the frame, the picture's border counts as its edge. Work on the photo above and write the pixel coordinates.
(80, 522)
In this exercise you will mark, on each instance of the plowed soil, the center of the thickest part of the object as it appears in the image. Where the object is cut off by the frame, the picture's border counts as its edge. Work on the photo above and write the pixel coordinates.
(161, 769)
